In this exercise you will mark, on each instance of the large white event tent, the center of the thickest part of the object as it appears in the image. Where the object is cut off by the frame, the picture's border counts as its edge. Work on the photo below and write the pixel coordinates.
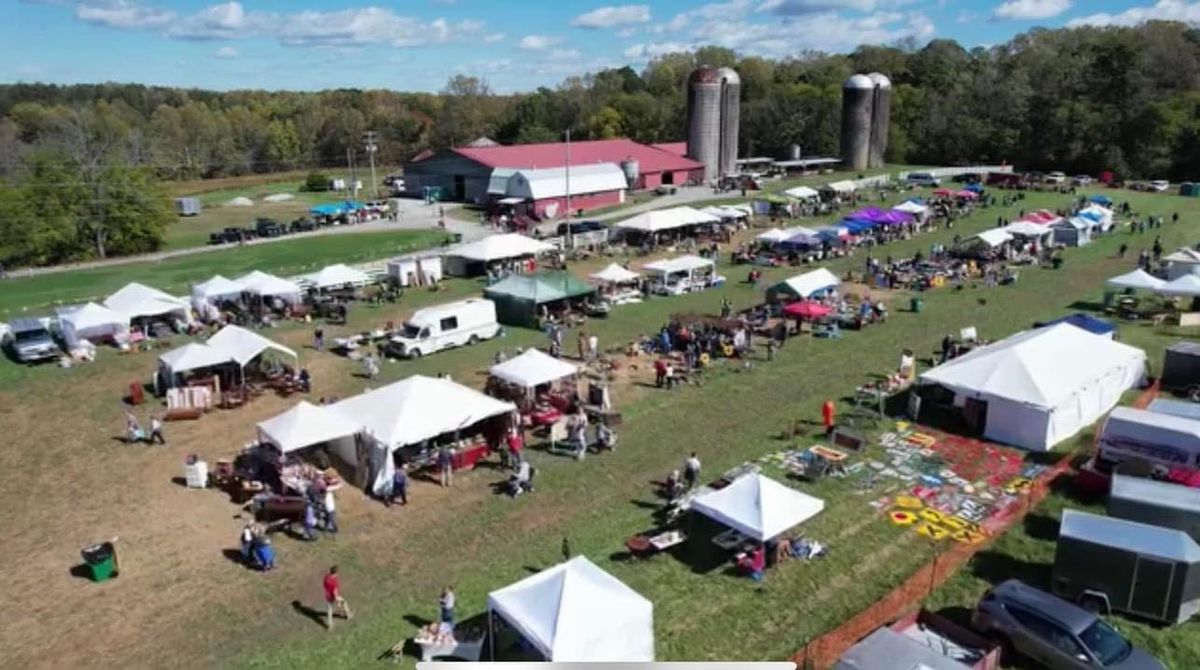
(91, 322)
(1184, 286)
(1042, 386)
(336, 275)
(136, 300)
(576, 612)
(801, 192)
(191, 356)
(217, 288)
(1139, 279)
(304, 426)
(269, 286)
(659, 220)
(492, 248)
(758, 507)
(533, 368)
(615, 274)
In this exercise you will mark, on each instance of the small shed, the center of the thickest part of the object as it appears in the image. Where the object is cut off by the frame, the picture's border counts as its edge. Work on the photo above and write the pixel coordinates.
(520, 298)
(415, 270)
(1139, 569)
(187, 206)
(1162, 504)
(1181, 366)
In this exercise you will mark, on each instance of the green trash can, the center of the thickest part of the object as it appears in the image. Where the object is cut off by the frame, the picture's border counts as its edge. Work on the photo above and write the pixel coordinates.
(917, 305)
(101, 560)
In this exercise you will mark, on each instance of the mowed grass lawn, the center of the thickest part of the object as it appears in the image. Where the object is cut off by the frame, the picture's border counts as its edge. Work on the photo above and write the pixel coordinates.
(38, 295)
(394, 566)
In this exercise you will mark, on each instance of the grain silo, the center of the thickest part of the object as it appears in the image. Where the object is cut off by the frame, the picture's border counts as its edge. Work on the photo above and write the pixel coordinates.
(880, 110)
(857, 103)
(632, 171)
(731, 113)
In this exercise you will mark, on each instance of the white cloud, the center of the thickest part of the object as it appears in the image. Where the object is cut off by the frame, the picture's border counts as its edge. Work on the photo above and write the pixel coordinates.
(227, 52)
(224, 21)
(1030, 10)
(1163, 10)
(612, 16)
(565, 54)
(626, 32)
(538, 42)
(801, 7)
(654, 50)
(966, 16)
(125, 14)
(493, 38)
(486, 66)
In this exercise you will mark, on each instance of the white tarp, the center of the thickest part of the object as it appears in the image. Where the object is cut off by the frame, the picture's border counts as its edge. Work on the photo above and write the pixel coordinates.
(138, 300)
(686, 263)
(758, 506)
(911, 207)
(305, 425)
(801, 192)
(1185, 286)
(268, 285)
(807, 284)
(1043, 386)
(576, 612)
(615, 274)
(193, 356)
(339, 274)
(244, 345)
(499, 247)
(90, 322)
(994, 237)
(1138, 279)
(666, 219)
(533, 368)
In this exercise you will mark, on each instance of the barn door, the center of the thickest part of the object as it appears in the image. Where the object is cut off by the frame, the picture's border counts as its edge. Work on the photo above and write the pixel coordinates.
(1151, 588)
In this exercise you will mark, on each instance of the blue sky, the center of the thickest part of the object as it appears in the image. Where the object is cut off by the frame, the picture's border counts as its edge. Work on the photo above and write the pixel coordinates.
(514, 44)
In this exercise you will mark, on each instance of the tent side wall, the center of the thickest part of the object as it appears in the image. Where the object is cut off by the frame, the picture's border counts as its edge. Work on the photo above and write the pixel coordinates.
(1018, 424)
(514, 311)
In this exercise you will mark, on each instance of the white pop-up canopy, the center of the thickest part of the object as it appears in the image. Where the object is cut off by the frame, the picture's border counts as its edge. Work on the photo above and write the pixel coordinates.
(1138, 279)
(136, 300)
(91, 321)
(686, 263)
(809, 283)
(994, 237)
(533, 368)
(1028, 229)
(842, 187)
(1043, 386)
(500, 247)
(193, 356)
(801, 192)
(576, 612)
(911, 207)
(666, 219)
(722, 212)
(615, 274)
(1187, 285)
(305, 425)
(268, 285)
(244, 345)
(758, 507)
(216, 288)
(339, 274)
(771, 236)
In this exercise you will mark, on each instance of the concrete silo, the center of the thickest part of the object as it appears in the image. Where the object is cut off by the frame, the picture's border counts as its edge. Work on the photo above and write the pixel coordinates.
(858, 95)
(704, 119)
(731, 117)
(880, 111)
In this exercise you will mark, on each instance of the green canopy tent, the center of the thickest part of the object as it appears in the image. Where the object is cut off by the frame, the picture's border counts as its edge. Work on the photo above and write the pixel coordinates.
(519, 297)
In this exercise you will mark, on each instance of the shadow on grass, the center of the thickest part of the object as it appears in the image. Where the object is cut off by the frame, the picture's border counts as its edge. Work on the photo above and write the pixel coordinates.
(312, 614)
(995, 567)
(1041, 527)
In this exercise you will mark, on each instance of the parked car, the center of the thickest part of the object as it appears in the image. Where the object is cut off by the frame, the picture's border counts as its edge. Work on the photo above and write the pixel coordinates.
(267, 228)
(1081, 180)
(303, 225)
(579, 227)
(1056, 178)
(227, 236)
(923, 179)
(1055, 633)
(665, 190)
(30, 341)
(1159, 185)
(967, 178)
(436, 328)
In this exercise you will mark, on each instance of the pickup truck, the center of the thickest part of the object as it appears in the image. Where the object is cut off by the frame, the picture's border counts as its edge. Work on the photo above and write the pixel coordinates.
(268, 228)
(228, 236)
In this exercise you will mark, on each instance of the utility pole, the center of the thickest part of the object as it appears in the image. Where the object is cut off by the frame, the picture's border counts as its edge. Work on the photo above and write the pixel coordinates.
(570, 237)
(370, 142)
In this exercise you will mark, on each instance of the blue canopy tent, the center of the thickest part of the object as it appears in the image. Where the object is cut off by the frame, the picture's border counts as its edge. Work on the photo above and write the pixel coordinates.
(856, 226)
(974, 188)
(1101, 200)
(1086, 322)
(1093, 215)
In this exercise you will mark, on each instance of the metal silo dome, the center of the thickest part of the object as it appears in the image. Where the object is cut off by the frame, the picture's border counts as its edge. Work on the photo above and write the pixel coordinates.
(859, 81)
(879, 79)
(858, 106)
(729, 75)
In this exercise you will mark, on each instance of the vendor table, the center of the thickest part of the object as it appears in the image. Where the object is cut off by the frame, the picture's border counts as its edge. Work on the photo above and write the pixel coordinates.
(465, 459)
(544, 417)
(467, 650)
(730, 540)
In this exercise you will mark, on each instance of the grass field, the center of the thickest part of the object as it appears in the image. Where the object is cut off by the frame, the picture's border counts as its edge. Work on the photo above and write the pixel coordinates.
(182, 602)
(37, 295)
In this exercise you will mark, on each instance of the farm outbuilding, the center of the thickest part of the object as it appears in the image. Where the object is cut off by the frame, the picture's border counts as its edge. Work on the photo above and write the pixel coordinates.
(187, 206)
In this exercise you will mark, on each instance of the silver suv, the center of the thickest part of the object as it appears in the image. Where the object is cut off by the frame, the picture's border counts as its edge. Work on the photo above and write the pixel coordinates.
(1053, 632)
(31, 342)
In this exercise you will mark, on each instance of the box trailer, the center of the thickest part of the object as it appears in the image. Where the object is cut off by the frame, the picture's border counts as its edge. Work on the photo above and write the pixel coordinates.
(1160, 439)
(1125, 566)
(415, 271)
(187, 206)
(1156, 503)
(1181, 369)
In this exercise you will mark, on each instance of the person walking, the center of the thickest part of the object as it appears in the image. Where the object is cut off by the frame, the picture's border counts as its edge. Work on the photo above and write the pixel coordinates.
(331, 525)
(334, 601)
(399, 486)
(310, 522)
(446, 604)
(691, 470)
(583, 346)
(828, 415)
(593, 347)
(156, 431)
(319, 339)
(445, 461)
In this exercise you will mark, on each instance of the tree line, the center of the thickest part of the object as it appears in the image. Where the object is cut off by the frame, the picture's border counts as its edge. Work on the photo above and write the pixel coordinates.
(86, 158)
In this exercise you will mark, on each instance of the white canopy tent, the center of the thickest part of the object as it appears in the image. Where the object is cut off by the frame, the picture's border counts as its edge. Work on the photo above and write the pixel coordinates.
(994, 237)
(1042, 386)
(911, 207)
(659, 220)
(335, 275)
(771, 236)
(758, 507)
(304, 426)
(576, 612)
(268, 285)
(136, 300)
(809, 283)
(687, 263)
(244, 345)
(500, 247)
(1028, 229)
(1183, 261)
(192, 356)
(1139, 279)
(615, 274)
(533, 368)
(1187, 285)
(722, 212)
(207, 293)
(91, 322)
(841, 187)
(801, 192)
(802, 235)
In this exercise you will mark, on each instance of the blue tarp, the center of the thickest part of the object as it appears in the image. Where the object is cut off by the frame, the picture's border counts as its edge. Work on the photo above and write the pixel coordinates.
(1094, 216)
(1101, 200)
(335, 208)
(974, 188)
(1084, 321)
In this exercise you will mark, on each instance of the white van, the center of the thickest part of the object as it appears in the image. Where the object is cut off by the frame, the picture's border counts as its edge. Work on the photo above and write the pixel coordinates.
(1159, 439)
(922, 179)
(451, 325)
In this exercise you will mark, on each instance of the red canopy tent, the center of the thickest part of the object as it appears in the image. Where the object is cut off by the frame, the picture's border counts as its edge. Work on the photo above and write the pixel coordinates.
(967, 195)
(943, 193)
(807, 309)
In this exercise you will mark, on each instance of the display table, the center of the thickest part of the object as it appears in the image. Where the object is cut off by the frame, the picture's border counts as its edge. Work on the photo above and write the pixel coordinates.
(465, 459)
(544, 417)
(467, 650)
